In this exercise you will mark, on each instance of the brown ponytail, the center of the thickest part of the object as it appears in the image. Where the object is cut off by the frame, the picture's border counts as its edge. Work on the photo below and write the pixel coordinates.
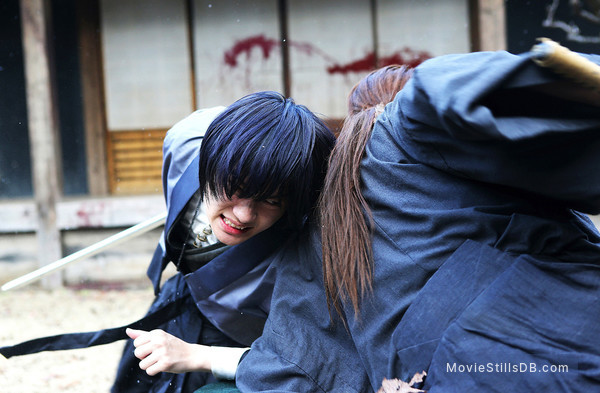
(346, 218)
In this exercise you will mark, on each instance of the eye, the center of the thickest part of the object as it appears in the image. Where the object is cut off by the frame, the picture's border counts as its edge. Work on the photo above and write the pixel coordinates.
(273, 201)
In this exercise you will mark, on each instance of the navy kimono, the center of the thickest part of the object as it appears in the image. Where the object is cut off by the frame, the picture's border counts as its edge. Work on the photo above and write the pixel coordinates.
(486, 274)
(223, 303)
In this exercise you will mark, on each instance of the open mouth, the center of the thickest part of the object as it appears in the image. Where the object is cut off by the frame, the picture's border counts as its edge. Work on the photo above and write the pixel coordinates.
(232, 225)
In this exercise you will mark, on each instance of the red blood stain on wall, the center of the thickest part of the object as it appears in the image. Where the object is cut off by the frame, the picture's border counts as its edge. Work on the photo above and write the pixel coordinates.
(406, 56)
(90, 215)
(311, 50)
(366, 63)
(266, 45)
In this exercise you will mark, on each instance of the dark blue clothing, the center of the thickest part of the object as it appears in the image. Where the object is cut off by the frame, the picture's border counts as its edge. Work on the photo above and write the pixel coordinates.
(481, 256)
(190, 326)
(219, 297)
(226, 298)
(301, 350)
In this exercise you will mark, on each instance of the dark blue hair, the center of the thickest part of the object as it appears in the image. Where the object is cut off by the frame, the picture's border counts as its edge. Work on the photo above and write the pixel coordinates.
(265, 145)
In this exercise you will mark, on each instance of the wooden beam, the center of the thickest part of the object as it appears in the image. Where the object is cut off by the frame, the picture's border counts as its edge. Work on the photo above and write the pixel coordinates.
(488, 25)
(42, 117)
(92, 86)
(492, 18)
(81, 213)
(375, 33)
(282, 10)
(189, 14)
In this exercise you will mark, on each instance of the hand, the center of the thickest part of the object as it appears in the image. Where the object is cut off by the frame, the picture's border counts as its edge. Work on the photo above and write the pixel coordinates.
(160, 351)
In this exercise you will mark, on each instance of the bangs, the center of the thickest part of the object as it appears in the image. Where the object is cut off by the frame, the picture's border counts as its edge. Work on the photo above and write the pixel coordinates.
(264, 149)
(257, 169)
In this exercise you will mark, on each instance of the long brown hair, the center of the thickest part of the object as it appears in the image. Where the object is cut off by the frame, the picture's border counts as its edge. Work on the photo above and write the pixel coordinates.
(346, 218)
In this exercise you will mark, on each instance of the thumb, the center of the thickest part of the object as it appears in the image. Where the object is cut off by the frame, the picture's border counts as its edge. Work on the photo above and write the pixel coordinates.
(133, 333)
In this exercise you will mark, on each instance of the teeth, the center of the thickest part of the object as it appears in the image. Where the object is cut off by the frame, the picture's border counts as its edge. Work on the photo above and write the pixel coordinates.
(232, 224)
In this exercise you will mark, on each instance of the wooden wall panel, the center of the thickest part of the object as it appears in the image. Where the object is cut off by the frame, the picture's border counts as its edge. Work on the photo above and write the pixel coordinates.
(135, 161)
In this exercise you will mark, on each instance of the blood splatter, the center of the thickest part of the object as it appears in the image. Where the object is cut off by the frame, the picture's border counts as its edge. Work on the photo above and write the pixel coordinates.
(246, 45)
(368, 62)
(267, 45)
(310, 50)
(405, 56)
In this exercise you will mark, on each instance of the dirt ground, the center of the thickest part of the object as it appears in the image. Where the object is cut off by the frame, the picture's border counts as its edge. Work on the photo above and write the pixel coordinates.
(30, 313)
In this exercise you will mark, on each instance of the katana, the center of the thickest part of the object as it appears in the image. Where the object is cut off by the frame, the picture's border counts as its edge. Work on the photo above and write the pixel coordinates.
(563, 61)
(118, 238)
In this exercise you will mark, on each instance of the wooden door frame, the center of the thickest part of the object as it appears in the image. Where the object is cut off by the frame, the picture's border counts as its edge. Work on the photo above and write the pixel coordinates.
(487, 25)
(93, 102)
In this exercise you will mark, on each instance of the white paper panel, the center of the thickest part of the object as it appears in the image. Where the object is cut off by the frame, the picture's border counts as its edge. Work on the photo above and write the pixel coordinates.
(435, 26)
(324, 34)
(146, 63)
(248, 32)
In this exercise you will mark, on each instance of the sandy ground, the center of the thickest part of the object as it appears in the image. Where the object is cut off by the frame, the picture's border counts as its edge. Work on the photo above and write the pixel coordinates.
(30, 313)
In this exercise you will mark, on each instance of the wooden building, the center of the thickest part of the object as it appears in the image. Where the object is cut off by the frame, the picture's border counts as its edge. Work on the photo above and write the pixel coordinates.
(121, 72)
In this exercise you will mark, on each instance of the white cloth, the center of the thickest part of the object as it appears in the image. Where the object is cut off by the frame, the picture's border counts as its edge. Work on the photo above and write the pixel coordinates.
(225, 360)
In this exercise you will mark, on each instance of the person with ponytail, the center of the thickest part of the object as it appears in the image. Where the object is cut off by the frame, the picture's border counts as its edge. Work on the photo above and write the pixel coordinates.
(350, 243)
(453, 233)
(305, 345)
(453, 239)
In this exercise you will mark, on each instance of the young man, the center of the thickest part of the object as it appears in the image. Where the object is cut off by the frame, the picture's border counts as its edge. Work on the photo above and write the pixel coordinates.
(237, 181)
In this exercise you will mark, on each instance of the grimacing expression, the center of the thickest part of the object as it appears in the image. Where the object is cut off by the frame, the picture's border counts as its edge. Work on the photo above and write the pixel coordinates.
(236, 220)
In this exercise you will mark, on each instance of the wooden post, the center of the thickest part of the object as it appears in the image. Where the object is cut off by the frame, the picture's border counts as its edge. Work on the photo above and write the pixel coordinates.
(42, 117)
(488, 25)
(282, 9)
(92, 86)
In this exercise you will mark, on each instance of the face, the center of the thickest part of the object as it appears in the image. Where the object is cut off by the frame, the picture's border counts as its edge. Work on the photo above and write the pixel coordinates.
(238, 219)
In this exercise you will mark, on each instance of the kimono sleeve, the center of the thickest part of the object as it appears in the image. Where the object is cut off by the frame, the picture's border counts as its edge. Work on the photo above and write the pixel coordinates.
(180, 147)
(482, 116)
(182, 144)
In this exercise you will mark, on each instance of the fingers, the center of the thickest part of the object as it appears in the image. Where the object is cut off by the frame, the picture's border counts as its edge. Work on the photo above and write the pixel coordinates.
(145, 342)
(133, 333)
(151, 364)
(151, 349)
(141, 339)
(142, 351)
